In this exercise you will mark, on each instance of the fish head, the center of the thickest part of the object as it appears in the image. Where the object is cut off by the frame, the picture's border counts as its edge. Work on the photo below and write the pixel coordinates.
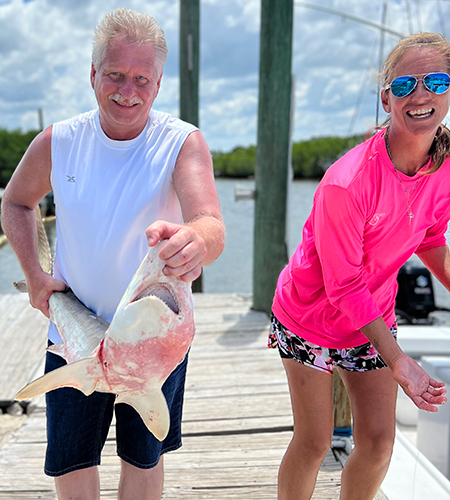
(153, 305)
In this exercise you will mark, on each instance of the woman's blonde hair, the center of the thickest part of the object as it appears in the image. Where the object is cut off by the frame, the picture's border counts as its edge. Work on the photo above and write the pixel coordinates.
(440, 149)
(132, 26)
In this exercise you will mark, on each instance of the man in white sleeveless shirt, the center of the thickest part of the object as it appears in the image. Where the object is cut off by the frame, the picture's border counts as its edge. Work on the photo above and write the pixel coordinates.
(124, 176)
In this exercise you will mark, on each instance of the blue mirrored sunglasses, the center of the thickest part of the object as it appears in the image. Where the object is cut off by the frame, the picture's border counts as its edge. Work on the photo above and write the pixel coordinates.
(438, 83)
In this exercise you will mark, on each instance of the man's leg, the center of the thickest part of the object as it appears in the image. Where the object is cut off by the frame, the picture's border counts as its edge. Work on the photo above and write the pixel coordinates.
(312, 407)
(81, 484)
(142, 475)
(373, 398)
(77, 427)
(141, 484)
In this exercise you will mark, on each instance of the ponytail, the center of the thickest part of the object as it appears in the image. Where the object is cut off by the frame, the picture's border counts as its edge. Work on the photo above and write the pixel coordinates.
(440, 149)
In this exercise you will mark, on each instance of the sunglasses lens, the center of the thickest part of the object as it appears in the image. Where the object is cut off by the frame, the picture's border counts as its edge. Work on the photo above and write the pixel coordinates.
(403, 86)
(438, 83)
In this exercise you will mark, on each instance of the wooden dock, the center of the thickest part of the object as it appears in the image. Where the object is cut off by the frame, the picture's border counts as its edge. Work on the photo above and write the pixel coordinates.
(237, 418)
(22, 343)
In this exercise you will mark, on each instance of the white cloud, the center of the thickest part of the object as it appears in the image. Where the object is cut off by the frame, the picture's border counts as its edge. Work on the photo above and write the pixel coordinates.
(45, 50)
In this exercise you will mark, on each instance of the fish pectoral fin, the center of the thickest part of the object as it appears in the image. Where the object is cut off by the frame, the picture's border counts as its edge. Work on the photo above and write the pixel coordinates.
(82, 375)
(152, 407)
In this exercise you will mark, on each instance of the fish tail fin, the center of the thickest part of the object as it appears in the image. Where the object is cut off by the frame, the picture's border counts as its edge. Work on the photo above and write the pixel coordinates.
(82, 375)
(21, 286)
(152, 408)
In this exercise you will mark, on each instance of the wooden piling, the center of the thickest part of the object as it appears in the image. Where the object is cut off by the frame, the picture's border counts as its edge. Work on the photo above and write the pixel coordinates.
(189, 73)
(341, 403)
(272, 154)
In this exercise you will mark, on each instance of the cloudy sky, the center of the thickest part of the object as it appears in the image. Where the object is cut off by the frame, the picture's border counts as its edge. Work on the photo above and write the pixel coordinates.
(45, 49)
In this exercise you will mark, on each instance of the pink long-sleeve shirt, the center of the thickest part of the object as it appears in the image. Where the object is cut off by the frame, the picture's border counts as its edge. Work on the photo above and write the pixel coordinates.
(343, 274)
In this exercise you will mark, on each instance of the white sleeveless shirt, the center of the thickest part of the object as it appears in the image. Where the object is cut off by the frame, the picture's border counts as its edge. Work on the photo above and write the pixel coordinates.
(106, 195)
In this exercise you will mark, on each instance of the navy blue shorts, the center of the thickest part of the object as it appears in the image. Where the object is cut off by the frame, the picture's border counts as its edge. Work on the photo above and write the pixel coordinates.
(77, 426)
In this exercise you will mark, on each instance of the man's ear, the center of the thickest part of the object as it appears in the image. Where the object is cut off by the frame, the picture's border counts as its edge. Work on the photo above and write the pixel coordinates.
(385, 101)
(158, 84)
(93, 73)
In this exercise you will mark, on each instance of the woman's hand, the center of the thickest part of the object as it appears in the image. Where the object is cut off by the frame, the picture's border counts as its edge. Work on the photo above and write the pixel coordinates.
(425, 392)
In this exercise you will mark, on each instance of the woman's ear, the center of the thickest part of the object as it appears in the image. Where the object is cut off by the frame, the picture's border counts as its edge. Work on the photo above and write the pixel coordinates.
(385, 101)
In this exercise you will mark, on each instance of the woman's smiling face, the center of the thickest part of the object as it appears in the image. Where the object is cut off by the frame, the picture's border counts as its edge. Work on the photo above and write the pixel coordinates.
(421, 112)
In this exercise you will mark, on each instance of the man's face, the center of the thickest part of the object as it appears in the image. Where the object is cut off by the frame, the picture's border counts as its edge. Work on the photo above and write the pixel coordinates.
(125, 85)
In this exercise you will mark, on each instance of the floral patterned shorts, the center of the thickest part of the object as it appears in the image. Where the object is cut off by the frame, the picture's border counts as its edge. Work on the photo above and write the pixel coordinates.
(355, 359)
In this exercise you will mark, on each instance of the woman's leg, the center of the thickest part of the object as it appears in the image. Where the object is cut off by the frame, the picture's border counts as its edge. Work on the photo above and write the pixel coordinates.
(373, 396)
(312, 408)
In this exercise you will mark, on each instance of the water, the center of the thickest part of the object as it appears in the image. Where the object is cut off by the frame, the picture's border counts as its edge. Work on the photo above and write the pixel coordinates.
(232, 271)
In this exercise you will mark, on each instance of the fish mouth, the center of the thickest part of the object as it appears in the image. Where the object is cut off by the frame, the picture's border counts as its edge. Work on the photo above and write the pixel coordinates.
(162, 292)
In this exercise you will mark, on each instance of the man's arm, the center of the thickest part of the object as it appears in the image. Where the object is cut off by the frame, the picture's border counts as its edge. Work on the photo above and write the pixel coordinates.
(201, 239)
(28, 185)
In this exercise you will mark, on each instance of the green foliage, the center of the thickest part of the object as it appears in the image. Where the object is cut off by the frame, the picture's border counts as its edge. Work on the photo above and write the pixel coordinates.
(310, 158)
(13, 144)
(238, 163)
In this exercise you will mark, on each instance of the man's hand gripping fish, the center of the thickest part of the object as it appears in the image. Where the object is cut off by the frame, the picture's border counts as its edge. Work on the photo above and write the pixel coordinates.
(149, 335)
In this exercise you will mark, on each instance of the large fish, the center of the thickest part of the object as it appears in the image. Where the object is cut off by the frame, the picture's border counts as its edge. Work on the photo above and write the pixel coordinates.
(149, 335)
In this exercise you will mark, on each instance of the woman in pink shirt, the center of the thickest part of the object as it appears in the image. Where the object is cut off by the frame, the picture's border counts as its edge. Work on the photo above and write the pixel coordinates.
(334, 305)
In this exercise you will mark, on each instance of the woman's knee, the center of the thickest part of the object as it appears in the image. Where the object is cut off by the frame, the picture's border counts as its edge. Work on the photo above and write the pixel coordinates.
(376, 444)
(315, 446)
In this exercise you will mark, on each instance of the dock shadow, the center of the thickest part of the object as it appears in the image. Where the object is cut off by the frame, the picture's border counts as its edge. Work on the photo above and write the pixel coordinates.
(249, 327)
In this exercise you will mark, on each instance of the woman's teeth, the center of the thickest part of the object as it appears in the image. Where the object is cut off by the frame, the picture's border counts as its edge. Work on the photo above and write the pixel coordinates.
(420, 113)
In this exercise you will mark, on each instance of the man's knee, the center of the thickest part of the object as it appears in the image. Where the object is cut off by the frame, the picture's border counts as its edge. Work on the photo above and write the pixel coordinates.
(142, 484)
(81, 484)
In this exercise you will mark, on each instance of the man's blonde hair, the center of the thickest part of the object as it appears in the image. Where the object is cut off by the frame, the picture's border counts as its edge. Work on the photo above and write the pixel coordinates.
(133, 27)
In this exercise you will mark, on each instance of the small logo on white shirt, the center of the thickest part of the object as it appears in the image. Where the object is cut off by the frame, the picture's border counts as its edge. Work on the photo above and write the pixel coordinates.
(70, 178)
(376, 219)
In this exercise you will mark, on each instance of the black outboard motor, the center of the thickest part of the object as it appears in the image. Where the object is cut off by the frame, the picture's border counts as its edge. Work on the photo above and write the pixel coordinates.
(415, 296)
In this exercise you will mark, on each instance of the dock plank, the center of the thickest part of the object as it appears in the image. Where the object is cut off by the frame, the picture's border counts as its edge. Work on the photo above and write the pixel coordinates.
(23, 337)
(236, 427)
